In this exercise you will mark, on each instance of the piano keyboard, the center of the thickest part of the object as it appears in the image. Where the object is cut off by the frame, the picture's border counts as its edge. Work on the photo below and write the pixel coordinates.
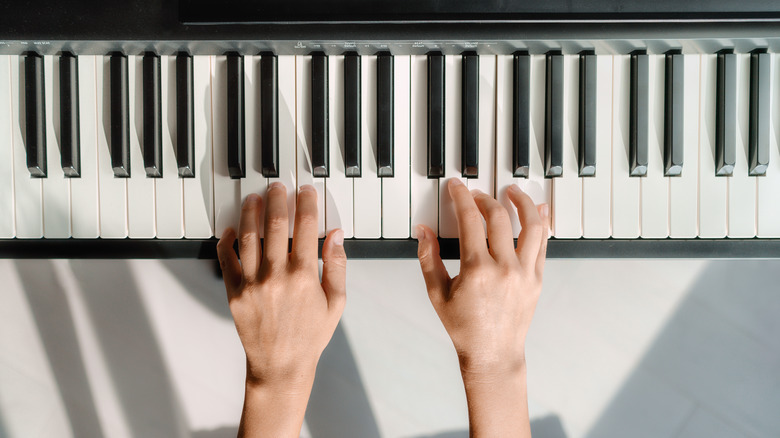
(166, 146)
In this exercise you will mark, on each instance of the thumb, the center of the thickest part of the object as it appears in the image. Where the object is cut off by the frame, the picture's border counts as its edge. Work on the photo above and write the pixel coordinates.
(334, 270)
(433, 270)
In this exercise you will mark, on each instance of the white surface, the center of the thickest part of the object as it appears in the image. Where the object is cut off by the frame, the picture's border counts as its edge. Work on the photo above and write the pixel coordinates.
(28, 191)
(625, 189)
(567, 188)
(169, 208)
(596, 190)
(368, 188)
(424, 191)
(199, 191)
(56, 188)
(287, 140)
(85, 204)
(141, 202)
(338, 201)
(148, 348)
(712, 188)
(655, 186)
(304, 136)
(395, 190)
(6, 152)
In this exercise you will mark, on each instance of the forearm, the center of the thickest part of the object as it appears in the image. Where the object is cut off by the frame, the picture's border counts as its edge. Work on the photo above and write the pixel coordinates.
(497, 403)
(274, 408)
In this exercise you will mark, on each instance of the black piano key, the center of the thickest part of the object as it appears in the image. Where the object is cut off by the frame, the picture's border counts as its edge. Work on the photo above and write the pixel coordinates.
(553, 121)
(236, 145)
(269, 115)
(120, 117)
(185, 116)
(521, 113)
(470, 115)
(587, 128)
(152, 104)
(673, 115)
(352, 128)
(69, 116)
(384, 115)
(758, 139)
(726, 114)
(639, 129)
(320, 136)
(35, 115)
(435, 115)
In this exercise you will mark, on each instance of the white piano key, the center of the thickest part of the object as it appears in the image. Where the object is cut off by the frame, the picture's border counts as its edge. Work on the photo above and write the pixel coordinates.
(287, 141)
(448, 224)
(768, 220)
(684, 189)
(227, 191)
(85, 212)
(140, 189)
(567, 189)
(56, 188)
(712, 189)
(395, 190)
(303, 126)
(254, 182)
(169, 197)
(536, 186)
(487, 126)
(742, 187)
(625, 189)
(7, 226)
(28, 191)
(596, 190)
(339, 195)
(198, 191)
(112, 191)
(504, 123)
(368, 188)
(424, 191)
(655, 186)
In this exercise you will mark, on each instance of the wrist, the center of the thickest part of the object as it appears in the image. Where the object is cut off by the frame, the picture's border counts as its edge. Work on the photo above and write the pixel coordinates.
(291, 380)
(485, 370)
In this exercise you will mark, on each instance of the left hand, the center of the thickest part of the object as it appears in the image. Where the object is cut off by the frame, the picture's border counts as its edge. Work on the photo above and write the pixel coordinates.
(284, 315)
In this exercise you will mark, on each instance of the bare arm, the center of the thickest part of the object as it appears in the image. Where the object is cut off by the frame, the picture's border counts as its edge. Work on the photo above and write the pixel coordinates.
(284, 314)
(487, 308)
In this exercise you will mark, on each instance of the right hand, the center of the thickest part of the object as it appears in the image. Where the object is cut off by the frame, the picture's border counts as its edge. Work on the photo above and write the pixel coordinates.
(487, 308)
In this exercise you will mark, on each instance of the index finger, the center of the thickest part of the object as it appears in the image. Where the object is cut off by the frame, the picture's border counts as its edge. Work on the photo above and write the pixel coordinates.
(471, 231)
(305, 231)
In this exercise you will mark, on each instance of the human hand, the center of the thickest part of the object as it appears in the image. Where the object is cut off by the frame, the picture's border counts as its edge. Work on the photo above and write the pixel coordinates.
(284, 315)
(487, 308)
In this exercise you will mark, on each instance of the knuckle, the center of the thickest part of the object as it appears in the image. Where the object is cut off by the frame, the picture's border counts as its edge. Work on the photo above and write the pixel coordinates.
(276, 223)
(247, 239)
(471, 216)
(307, 219)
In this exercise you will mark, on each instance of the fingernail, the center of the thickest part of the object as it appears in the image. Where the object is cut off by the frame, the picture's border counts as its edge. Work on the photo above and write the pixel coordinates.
(276, 185)
(514, 188)
(456, 182)
(338, 238)
(251, 198)
(545, 211)
(307, 188)
(420, 232)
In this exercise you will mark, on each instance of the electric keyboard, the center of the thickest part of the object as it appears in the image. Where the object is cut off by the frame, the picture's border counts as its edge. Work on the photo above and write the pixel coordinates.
(136, 129)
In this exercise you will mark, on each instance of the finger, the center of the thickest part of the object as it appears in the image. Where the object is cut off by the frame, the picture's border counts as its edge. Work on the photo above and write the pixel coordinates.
(228, 262)
(435, 274)
(305, 231)
(276, 224)
(499, 229)
(334, 270)
(249, 236)
(471, 233)
(544, 214)
(532, 228)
